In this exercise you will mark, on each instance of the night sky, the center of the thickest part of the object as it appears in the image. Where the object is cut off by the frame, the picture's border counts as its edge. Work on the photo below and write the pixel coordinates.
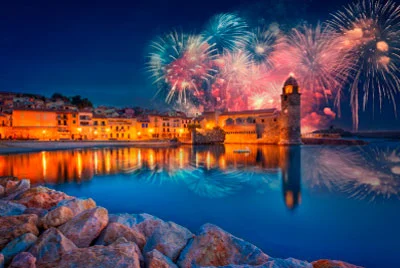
(98, 48)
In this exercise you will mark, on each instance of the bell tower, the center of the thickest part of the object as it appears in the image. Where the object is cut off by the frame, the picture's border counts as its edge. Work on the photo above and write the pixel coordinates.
(290, 128)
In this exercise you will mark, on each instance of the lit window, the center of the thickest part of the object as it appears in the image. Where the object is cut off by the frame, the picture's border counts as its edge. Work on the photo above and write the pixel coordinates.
(289, 89)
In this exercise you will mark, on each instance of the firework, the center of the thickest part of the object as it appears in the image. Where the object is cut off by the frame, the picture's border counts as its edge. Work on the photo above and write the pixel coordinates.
(226, 32)
(371, 30)
(363, 174)
(315, 56)
(182, 64)
(261, 46)
(267, 96)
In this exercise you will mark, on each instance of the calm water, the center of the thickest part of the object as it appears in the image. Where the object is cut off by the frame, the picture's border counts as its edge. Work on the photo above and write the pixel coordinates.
(306, 202)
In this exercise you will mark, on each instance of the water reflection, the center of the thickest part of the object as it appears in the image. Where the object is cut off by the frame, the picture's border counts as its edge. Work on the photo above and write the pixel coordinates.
(217, 171)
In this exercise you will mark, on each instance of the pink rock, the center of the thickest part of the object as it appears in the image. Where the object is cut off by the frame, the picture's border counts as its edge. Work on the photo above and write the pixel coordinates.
(155, 259)
(332, 264)
(41, 197)
(114, 256)
(115, 230)
(5, 179)
(86, 226)
(23, 260)
(77, 205)
(56, 217)
(13, 226)
(143, 222)
(16, 188)
(215, 247)
(50, 246)
(2, 191)
(168, 238)
(18, 245)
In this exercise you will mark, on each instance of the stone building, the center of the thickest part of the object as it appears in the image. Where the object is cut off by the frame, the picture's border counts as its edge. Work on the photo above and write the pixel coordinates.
(267, 126)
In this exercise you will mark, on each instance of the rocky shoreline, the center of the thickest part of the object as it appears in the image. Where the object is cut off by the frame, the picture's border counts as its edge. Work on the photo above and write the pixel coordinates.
(41, 227)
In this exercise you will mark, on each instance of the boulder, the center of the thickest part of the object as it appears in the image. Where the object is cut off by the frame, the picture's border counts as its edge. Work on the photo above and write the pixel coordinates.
(8, 208)
(50, 246)
(155, 259)
(40, 212)
(1, 261)
(145, 223)
(19, 244)
(114, 256)
(333, 264)
(2, 191)
(16, 188)
(272, 263)
(215, 247)
(5, 179)
(77, 205)
(13, 226)
(168, 238)
(56, 217)
(41, 197)
(66, 210)
(86, 226)
(23, 260)
(115, 230)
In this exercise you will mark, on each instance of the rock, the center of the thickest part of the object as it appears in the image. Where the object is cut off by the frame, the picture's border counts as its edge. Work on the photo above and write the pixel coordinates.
(168, 238)
(19, 244)
(14, 189)
(2, 191)
(5, 179)
(41, 197)
(332, 264)
(23, 260)
(13, 226)
(272, 263)
(50, 246)
(8, 208)
(66, 210)
(215, 247)
(56, 217)
(40, 212)
(1, 261)
(86, 226)
(114, 256)
(145, 223)
(115, 230)
(155, 259)
(77, 205)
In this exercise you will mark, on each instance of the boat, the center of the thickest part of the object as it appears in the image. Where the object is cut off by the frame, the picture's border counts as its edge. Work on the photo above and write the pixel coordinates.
(242, 151)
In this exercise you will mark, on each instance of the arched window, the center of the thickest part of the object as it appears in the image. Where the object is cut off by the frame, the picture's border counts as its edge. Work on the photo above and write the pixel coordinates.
(250, 120)
(229, 122)
(239, 121)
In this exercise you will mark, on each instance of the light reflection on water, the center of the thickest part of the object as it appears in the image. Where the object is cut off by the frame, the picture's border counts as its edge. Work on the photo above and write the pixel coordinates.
(216, 171)
(307, 202)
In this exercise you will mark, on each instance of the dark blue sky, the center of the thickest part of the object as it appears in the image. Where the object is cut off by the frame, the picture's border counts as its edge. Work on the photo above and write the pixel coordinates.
(97, 48)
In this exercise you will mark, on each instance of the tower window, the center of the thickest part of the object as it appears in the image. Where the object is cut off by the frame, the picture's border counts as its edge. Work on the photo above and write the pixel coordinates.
(289, 89)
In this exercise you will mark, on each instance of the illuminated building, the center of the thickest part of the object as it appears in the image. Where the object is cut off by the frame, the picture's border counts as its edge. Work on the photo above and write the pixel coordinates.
(268, 126)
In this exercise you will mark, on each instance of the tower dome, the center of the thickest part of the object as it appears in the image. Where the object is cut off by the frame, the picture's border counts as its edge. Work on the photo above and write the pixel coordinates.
(291, 81)
(291, 86)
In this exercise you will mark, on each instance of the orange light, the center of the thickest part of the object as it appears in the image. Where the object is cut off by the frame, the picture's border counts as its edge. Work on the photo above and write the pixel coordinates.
(79, 129)
(139, 133)
(151, 130)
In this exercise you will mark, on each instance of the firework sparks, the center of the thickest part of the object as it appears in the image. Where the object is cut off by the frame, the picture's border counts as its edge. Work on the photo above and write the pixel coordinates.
(370, 29)
(226, 32)
(183, 63)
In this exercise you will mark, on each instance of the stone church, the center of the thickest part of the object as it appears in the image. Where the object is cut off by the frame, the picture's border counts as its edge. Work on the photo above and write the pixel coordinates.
(267, 126)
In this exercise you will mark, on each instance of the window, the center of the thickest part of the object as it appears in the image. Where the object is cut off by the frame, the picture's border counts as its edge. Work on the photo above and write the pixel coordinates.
(289, 89)
(117, 135)
(73, 122)
(122, 135)
(110, 135)
(95, 123)
(74, 115)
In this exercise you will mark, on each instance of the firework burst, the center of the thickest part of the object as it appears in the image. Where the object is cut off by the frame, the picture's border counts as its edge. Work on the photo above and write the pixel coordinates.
(182, 64)
(261, 45)
(371, 30)
(226, 32)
